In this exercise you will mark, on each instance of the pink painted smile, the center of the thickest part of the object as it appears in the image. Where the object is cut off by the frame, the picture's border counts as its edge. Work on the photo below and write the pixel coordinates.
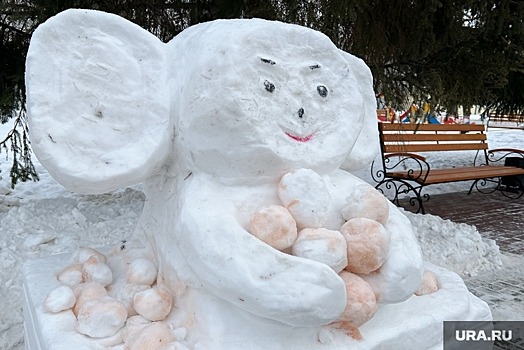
(300, 138)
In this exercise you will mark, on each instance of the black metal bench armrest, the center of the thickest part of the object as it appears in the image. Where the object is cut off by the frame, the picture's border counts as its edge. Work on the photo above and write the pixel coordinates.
(498, 154)
(413, 166)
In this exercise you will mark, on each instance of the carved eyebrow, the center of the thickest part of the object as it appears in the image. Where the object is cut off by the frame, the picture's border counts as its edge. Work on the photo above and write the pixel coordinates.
(268, 61)
(314, 66)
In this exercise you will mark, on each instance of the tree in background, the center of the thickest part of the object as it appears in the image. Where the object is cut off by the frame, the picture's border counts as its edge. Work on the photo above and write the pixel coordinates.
(468, 52)
(461, 52)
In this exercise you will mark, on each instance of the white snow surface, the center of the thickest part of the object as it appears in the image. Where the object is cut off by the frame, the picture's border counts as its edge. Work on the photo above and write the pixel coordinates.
(42, 218)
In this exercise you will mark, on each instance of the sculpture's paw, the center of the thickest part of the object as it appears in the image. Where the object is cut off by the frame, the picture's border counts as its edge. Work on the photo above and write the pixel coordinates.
(307, 294)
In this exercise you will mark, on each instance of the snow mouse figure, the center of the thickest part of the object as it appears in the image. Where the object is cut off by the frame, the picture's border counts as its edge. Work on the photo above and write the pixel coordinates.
(242, 133)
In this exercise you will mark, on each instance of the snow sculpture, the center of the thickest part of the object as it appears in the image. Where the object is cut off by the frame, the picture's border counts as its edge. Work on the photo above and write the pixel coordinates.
(230, 125)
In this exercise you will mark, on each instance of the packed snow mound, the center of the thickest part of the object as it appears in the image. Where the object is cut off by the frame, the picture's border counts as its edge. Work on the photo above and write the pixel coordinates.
(456, 246)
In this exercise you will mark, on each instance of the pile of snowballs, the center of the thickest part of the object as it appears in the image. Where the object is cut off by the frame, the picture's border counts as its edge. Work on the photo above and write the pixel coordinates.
(139, 302)
(358, 247)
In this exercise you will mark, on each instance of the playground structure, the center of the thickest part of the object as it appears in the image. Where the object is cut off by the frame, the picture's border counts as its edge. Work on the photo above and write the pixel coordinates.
(386, 115)
(415, 114)
(427, 115)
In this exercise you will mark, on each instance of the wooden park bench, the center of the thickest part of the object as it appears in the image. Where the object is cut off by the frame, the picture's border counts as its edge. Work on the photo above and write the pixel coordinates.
(505, 121)
(405, 172)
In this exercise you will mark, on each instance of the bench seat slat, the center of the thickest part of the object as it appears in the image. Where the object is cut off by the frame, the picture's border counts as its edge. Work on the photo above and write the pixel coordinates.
(432, 147)
(396, 137)
(431, 127)
(436, 176)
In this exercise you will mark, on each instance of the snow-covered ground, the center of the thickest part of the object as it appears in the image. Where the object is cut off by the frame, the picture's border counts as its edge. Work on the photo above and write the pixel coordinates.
(42, 218)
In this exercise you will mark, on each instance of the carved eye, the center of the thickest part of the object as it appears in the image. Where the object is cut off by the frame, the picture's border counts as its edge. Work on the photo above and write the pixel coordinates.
(322, 90)
(269, 86)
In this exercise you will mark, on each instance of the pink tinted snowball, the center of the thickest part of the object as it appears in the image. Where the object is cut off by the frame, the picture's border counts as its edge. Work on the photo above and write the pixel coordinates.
(71, 275)
(322, 245)
(126, 296)
(153, 304)
(361, 302)
(97, 271)
(99, 318)
(154, 336)
(275, 226)
(60, 299)
(87, 291)
(83, 254)
(141, 271)
(367, 203)
(367, 244)
(429, 284)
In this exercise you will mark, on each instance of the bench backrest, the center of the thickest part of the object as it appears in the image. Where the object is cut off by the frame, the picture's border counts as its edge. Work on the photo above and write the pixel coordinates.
(413, 138)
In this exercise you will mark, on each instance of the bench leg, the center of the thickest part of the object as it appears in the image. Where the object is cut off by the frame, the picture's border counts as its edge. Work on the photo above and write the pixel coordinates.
(397, 187)
(472, 185)
(513, 192)
(483, 185)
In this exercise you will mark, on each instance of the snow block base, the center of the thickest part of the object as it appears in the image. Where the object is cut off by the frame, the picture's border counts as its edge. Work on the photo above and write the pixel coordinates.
(416, 323)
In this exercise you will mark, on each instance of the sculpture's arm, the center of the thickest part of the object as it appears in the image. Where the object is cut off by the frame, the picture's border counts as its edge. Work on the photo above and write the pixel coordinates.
(239, 268)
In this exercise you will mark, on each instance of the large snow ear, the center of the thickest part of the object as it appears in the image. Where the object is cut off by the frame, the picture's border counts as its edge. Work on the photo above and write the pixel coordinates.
(366, 147)
(97, 100)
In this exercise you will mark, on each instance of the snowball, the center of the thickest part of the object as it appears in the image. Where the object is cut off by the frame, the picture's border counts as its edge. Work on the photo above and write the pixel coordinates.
(429, 284)
(83, 254)
(87, 291)
(304, 193)
(154, 336)
(153, 304)
(71, 275)
(322, 245)
(134, 324)
(126, 296)
(361, 304)
(367, 202)
(97, 271)
(141, 271)
(275, 226)
(102, 317)
(367, 245)
(59, 299)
